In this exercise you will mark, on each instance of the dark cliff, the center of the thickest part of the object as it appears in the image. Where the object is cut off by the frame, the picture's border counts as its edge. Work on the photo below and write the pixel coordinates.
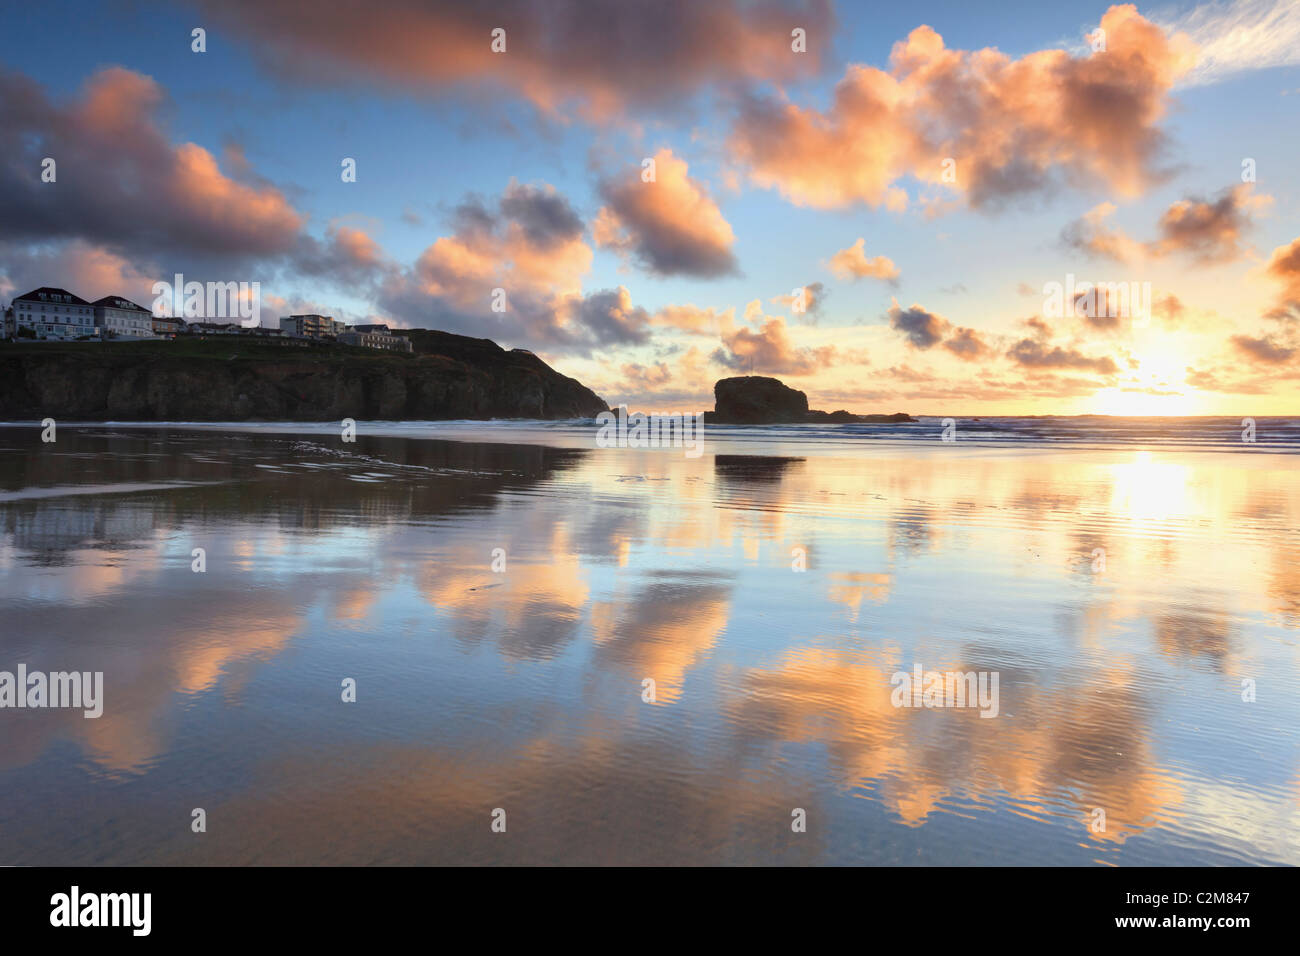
(759, 400)
(234, 379)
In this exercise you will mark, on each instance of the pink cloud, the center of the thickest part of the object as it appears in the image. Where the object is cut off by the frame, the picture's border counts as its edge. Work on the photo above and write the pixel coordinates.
(1009, 126)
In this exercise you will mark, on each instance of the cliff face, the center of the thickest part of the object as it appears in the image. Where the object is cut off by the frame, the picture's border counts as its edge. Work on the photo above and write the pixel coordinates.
(225, 379)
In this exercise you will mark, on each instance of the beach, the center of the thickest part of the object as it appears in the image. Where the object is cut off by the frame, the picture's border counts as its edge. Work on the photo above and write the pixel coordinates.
(501, 593)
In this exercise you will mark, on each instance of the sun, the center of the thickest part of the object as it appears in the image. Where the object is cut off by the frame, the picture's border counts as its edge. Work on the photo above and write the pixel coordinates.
(1155, 386)
(1138, 402)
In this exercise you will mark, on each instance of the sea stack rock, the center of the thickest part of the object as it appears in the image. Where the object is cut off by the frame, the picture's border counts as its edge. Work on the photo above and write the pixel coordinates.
(756, 400)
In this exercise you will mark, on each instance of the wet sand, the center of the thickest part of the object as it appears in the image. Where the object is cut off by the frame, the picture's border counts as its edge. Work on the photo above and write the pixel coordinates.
(771, 591)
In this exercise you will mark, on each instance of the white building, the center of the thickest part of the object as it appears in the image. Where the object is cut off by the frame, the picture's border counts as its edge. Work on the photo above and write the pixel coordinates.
(123, 319)
(55, 314)
(311, 326)
(376, 336)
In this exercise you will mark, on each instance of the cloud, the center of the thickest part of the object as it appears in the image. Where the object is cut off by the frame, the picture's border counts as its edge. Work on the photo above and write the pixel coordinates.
(696, 320)
(770, 351)
(1012, 126)
(1243, 35)
(1284, 265)
(528, 244)
(1090, 235)
(1207, 230)
(670, 226)
(1263, 349)
(1041, 329)
(603, 59)
(814, 297)
(503, 249)
(967, 345)
(1169, 308)
(852, 263)
(1217, 380)
(1102, 310)
(88, 270)
(923, 329)
(685, 382)
(544, 215)
(609, 318)
(641, 378)
(1035, 354)
(121, 183)
(348, 254)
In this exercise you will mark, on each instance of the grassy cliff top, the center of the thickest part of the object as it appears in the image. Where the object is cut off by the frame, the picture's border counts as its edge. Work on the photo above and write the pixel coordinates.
(426, 342)
(214, 348)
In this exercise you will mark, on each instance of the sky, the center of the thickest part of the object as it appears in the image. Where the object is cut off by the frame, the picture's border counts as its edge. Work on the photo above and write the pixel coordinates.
(893, 207)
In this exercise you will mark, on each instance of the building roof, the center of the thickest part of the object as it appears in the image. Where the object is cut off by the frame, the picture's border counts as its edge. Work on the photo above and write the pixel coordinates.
(117, 302)
(44, 293)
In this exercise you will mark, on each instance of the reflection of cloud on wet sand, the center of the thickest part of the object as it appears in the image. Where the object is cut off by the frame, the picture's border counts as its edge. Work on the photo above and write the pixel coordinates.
(1085, 745)
(682, 574)
(1284, 585)
(597, 798)
(671, 625)
(355, 603)
(531, 610)
(149, 652)
(1189, 634)
(851, 588)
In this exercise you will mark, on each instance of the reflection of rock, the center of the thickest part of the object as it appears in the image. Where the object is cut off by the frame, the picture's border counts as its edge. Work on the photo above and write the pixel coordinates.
(758, 400)
(213, 475)
(752, 467)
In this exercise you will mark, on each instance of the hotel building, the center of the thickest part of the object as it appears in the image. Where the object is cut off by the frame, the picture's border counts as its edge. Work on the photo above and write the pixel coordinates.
(55, 314)
(376, 336)
(123, 319)
(311, 326)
